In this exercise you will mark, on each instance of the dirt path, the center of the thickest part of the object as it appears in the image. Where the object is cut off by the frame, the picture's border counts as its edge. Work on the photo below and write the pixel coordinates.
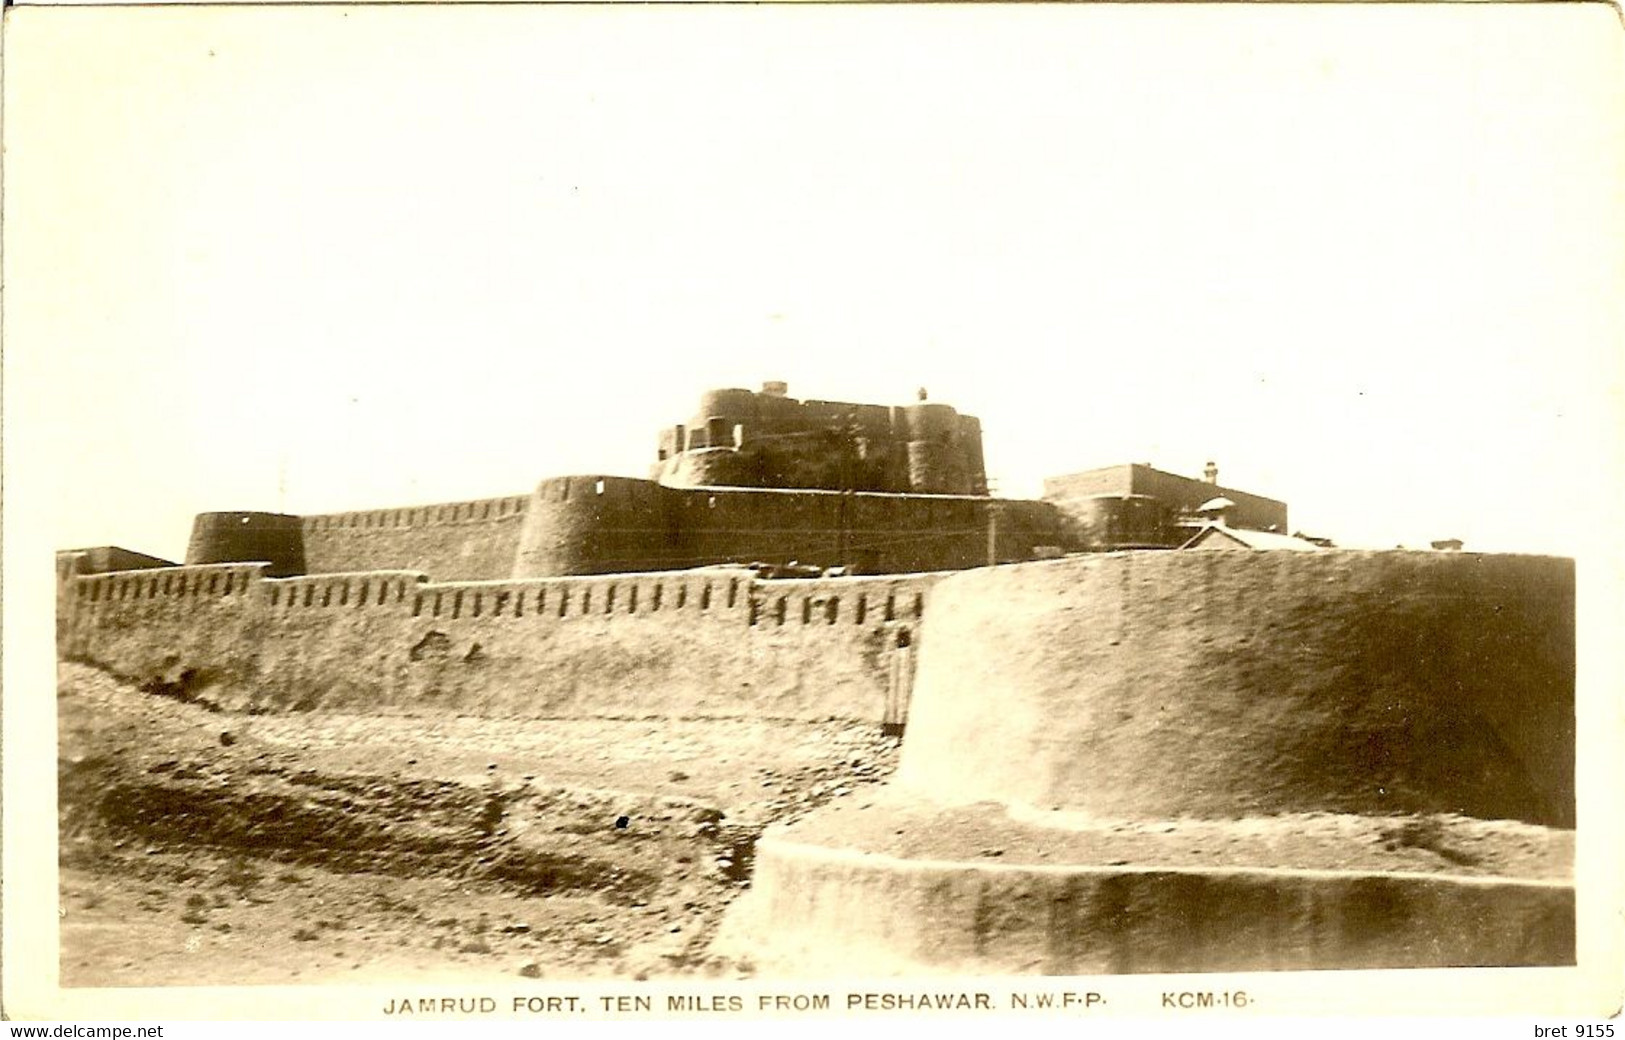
(205, 847)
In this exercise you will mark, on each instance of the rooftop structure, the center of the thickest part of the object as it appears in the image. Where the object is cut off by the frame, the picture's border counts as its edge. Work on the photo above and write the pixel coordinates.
(767, 439)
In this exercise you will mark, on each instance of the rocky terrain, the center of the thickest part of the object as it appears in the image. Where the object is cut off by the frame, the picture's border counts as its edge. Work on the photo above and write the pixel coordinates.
(207, 847)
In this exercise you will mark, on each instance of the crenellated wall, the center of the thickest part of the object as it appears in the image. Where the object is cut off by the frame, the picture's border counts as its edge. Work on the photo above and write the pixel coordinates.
(599, 524)
(715, 642)
(330, 641)
(158, 624)
(463, 541)
(603, 524)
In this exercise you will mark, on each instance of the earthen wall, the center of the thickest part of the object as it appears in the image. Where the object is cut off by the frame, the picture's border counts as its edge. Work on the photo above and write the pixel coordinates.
(712, 642)
(1178, 684)
(453, 540)
(199, 625)
(571, 527)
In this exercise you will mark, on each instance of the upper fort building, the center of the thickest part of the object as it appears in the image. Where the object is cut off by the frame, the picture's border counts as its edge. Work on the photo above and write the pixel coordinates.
(753, 477)
(770, 440)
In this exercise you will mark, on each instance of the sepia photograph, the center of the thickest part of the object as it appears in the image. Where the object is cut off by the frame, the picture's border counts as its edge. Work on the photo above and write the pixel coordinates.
(632, 511)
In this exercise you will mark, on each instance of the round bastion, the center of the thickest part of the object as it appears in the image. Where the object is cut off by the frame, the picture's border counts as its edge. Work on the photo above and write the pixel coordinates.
(273, 538)
(1232, 684)
(1198, 761)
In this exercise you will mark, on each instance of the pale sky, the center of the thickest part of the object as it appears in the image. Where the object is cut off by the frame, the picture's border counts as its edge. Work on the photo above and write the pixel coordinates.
(1367, 258)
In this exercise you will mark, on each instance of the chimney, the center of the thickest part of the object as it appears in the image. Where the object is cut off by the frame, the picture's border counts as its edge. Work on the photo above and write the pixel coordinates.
(1210, 473)
(775, 388)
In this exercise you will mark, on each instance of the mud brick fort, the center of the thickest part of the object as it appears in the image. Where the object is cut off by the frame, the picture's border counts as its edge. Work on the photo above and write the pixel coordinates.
(1073, 683)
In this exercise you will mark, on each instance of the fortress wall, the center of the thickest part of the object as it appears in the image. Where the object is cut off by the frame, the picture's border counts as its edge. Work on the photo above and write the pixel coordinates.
(632, 525)
(160, 623)
(703, 642)
(660, 643)
(836, 647)
(608, 525)
(329, 641)
(452, 540)
(1021, 526)
(750, 526)
(643, 644)
(883, 533)
(103, 558)
(722, 466)
(1162, 685)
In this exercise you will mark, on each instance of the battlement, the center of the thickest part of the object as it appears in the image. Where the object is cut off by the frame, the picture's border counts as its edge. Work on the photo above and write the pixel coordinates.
(359, 589)
(170, 583)
(706, 641)
(466, 540)
(442, 513)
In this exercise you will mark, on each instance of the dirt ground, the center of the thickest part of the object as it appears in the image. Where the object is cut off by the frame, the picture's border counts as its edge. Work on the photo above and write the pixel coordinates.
(204, 847)
(890, 824)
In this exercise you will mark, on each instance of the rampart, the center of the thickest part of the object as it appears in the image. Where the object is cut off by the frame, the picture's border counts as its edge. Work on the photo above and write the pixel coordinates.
(199, 625)
(603, 525)
(708, 642)
(462, 541)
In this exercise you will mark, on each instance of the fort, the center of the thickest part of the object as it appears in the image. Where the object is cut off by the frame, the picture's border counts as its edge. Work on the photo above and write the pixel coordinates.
(595, 586)
(1072, 685)
(752, 478)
